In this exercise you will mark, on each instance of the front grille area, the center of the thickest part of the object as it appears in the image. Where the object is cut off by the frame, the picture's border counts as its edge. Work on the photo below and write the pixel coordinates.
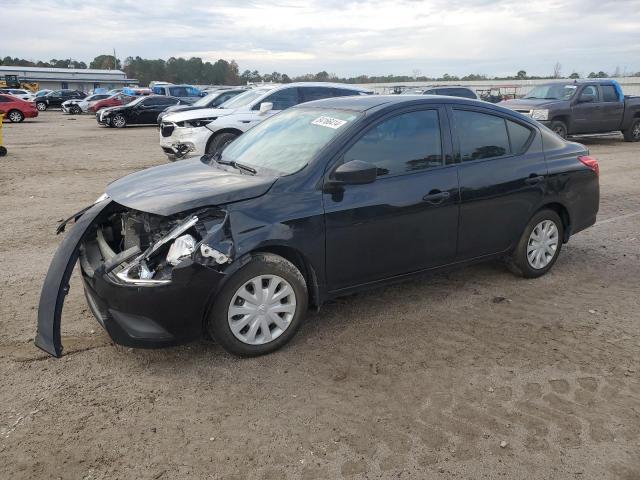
(166, 130)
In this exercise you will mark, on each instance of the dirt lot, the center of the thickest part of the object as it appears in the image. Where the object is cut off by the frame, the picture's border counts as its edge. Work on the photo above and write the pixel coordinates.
(421, 380)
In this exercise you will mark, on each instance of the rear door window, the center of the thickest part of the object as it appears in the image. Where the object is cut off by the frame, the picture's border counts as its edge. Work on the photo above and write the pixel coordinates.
(405, 143)
(315, 93)
(609, 93)
(519, 137)
(282, 99)
(480, 135)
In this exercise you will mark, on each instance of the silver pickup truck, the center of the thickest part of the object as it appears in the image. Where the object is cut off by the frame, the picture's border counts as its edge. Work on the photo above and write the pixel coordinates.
(582, 107)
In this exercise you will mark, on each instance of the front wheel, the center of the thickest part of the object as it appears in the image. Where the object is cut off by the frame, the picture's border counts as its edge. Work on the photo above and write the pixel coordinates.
(41, 106)
(559, 128)
(260, 308)
(218, 143)
(539, 246)
(632, 133)
(16, 116)
(118, 121)
(75, 110)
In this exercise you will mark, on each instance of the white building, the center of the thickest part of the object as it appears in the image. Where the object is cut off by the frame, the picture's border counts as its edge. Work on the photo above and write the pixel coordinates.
(73, 78)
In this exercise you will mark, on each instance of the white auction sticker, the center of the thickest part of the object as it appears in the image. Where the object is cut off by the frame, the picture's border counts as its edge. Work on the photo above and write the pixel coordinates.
(329, 122)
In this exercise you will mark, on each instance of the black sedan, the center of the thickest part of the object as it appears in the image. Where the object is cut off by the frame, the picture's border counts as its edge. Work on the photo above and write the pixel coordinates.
(141, 111)
(321, 200)
(57, 97)
(212, 100)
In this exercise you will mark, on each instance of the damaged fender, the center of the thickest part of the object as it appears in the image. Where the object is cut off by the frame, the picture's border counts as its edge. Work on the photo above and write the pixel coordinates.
(56, 283)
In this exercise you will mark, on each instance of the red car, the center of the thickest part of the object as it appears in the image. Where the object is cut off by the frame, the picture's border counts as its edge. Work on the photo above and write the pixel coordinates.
(112, 101)
(16, 110)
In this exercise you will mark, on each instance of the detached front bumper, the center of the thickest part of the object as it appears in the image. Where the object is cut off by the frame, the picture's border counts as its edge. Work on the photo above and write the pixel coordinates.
(135, 312)
(152, 316)
(180, 142)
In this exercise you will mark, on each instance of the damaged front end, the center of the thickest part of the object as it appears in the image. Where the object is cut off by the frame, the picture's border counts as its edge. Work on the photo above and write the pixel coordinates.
(148, 279)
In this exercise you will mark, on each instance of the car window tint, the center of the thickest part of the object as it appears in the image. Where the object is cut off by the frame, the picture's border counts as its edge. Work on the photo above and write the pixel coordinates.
(315, 93)
(609, 93)
(519, 136)
(590, 90)
(283, 99)
(4, 99)
(480, 135)
(404, 143)
(178, 92)
(343, 92)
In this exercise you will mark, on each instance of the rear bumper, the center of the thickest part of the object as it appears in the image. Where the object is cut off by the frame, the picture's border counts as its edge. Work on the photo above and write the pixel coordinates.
(30, 113)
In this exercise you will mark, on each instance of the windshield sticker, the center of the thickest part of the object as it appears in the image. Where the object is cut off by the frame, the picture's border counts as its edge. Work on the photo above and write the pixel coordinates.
(329, 122)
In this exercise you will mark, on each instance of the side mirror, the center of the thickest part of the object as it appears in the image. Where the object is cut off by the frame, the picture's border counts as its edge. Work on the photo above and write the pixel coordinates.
(355, 172)
(586, 98)
(265, 107)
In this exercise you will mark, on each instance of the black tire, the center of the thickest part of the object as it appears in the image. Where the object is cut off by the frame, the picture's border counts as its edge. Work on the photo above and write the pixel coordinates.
(220, 141)
(15, 116)
(75, 110)
(632, 133)
(559, 128)
(260, 264)
(118, 121)
(519, 263)
(41, 106)
(3, 151)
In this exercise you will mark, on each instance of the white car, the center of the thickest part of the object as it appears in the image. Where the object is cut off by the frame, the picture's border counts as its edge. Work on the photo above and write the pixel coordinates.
(209, 130)
(20, 93)
(81, 105)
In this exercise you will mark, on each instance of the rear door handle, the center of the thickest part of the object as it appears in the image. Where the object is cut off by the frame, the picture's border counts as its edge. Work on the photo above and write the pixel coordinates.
(436, 196)
(534, 180)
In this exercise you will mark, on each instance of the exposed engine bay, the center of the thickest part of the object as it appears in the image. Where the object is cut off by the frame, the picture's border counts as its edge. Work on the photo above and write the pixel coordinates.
(143, 248)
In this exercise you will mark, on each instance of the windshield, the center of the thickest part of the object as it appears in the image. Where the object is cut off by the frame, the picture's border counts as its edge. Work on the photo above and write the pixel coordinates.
(244, 98)
(552, 92)
(287, 142)
(204, 101)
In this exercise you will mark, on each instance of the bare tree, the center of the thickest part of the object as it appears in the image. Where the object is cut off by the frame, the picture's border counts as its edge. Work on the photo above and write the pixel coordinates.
(557, 70)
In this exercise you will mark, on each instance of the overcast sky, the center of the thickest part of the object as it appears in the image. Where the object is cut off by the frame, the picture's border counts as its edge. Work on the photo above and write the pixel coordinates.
(346, 37)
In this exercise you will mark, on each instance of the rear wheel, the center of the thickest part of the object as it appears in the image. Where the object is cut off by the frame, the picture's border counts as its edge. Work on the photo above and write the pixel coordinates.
(559, 128)
(75, 110)
(539, 246)
(260, 308)
(15, 116)
(41, 106)
(220, 141)
(3, 151)
(632, 133)
(118, 121)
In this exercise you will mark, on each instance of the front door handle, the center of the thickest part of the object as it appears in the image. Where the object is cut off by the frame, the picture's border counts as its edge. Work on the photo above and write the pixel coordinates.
(436, 196)
(534, 180)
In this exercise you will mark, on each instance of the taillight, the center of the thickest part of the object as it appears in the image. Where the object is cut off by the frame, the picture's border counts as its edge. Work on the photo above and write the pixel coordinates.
(590, 162)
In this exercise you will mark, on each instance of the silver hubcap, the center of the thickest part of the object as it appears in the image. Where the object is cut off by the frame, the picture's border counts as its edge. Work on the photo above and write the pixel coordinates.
(41, 106)
(15, 117)
(543, 244)
(636, 130)
(261, 309)
(118, 121)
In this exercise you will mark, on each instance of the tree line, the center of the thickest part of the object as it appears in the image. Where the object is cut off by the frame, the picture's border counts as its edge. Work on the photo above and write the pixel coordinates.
(222, 72)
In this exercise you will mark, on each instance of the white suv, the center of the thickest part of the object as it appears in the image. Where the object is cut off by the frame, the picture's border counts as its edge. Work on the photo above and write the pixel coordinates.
(209, 130)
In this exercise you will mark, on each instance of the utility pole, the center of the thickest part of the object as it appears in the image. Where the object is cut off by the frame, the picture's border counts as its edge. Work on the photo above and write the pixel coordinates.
(115, 60)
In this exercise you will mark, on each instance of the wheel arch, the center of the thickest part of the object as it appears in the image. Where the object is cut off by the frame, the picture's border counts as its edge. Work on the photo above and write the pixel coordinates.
(220, 132)
(564, 215)
(302, 264)
(564, 118)
(15, 110)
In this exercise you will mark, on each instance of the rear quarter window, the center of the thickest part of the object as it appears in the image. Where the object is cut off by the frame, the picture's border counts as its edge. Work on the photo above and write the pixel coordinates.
(480, 135)
(519, 136)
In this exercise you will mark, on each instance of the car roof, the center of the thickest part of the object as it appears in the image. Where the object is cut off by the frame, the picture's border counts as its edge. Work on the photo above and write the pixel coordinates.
(319, 84)
(380, 102)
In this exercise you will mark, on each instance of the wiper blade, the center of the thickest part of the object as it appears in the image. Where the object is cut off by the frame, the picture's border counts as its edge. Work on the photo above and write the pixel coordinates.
(237, 165)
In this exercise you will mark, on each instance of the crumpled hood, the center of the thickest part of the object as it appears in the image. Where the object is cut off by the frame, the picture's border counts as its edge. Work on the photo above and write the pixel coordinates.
(196, 114)
(176, 187)
(531, 103)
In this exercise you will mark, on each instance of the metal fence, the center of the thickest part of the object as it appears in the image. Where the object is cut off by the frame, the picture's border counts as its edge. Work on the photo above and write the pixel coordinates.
(630, 85)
